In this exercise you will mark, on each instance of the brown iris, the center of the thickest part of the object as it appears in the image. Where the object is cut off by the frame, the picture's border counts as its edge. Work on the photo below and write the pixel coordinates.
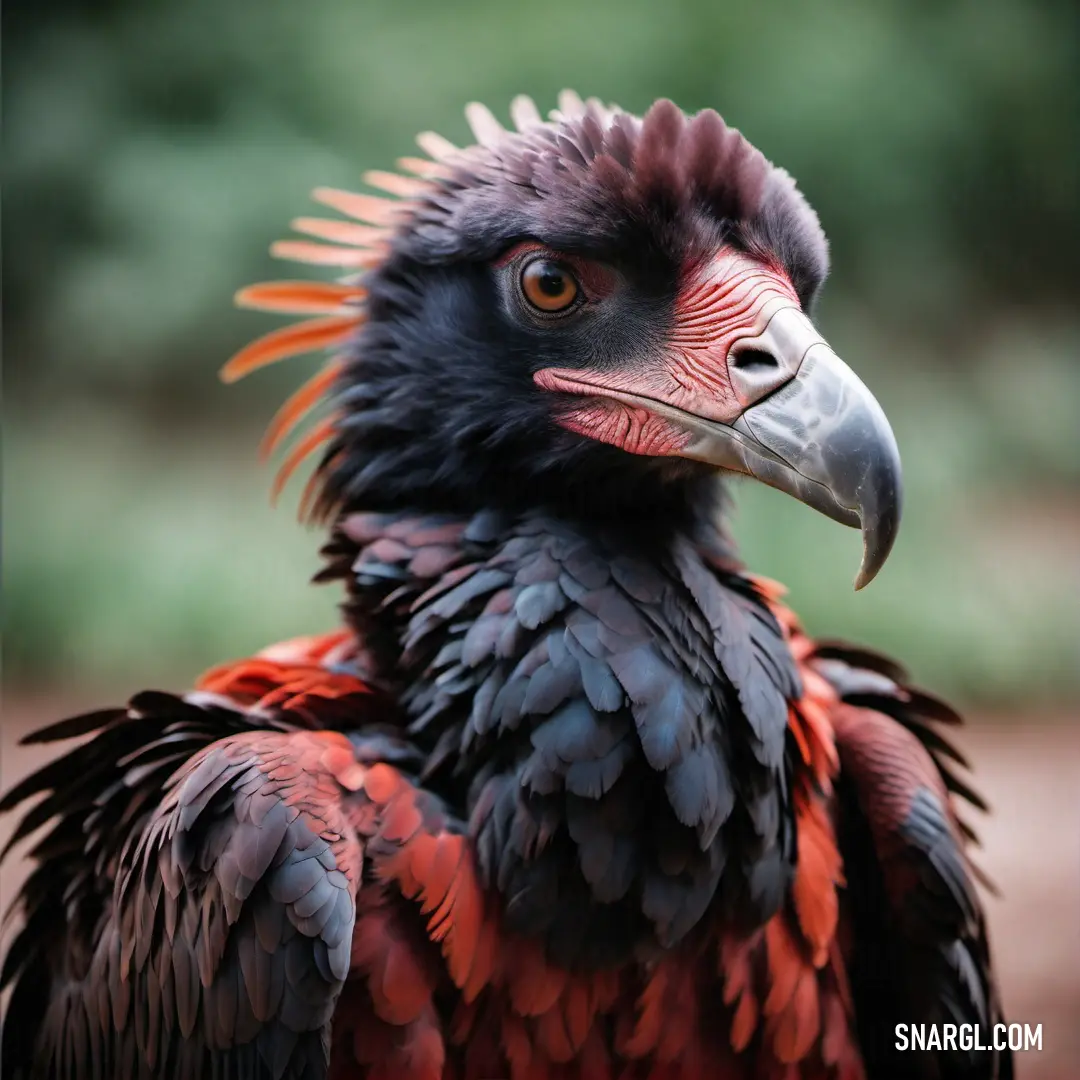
(548, 285)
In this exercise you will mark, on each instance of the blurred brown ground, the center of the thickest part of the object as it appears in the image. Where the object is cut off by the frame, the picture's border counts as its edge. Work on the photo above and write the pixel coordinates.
(1030, 772)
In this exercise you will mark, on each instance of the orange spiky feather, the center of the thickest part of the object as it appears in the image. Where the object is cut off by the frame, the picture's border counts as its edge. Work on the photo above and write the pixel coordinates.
(338, 307)
(360, 245)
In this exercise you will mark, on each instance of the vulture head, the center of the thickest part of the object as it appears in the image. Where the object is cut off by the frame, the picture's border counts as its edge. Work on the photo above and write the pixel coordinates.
(597, 313)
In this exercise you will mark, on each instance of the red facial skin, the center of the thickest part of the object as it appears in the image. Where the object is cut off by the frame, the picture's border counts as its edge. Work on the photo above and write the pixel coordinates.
(730, 297)
(629, 427)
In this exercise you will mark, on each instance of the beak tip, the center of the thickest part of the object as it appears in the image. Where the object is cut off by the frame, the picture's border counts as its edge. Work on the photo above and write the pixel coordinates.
(868, 571)
(879, 534)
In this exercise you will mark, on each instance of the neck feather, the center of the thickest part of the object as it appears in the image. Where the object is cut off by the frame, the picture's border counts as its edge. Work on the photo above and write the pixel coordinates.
(604, 708)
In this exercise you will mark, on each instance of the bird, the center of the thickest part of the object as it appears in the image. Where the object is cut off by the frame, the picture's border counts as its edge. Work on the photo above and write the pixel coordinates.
(569, 792)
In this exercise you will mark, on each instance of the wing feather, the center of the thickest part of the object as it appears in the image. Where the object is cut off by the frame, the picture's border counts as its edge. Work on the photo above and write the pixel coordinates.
(920, 952)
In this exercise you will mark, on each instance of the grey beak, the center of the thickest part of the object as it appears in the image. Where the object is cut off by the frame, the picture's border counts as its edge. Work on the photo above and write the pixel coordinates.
(811, 428)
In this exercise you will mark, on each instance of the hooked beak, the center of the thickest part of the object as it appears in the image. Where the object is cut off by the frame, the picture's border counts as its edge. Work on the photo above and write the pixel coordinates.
(796, 418)
(817, 433)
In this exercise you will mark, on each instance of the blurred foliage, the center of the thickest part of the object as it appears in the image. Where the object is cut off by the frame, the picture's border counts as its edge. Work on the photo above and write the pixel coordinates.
(153, 150)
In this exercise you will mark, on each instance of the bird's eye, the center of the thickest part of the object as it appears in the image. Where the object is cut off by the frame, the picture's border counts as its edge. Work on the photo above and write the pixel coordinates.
(549, 286)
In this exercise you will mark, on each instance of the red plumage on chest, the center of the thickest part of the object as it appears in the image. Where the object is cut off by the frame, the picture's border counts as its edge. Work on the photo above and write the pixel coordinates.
(438, 988)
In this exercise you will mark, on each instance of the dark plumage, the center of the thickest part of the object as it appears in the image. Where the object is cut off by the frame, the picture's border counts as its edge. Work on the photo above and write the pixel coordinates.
(563, 666)
(570, 794)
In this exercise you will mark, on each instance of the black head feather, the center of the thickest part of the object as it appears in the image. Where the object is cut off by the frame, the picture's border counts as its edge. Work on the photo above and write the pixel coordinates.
(436, 404)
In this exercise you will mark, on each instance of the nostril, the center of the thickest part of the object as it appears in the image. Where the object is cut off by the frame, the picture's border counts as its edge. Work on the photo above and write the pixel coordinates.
(755, 361)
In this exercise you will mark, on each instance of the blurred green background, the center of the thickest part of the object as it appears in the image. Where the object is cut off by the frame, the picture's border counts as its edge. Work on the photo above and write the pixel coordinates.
(152, 152)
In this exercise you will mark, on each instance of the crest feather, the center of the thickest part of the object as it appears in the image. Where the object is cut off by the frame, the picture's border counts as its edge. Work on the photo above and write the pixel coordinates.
(309, 336)
(321, 433)
(435, 146)
(427, 170)
(370, 208)
(341, 232)
(300, 297)
(570, 105)
(524, 113)
(299, 404)
(405, 187)
(488, 130)
(324, 254)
